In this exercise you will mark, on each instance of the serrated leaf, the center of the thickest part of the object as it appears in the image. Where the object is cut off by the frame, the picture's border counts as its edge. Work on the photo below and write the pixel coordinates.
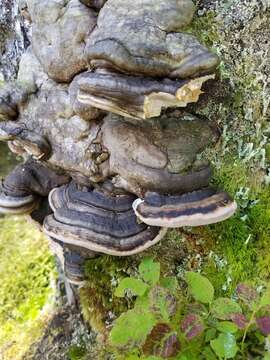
(162, 303)
(225, 346)
(227, 327)
(136, 286)
(246, 293)
(132, 328)
(224, 308)
(265, 299)
(239, 320)
(169, 283)
(200, 287)
(158, 341)
(150, 271)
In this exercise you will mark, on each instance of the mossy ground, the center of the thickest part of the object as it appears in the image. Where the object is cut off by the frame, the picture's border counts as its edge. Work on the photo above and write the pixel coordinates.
(26, 291)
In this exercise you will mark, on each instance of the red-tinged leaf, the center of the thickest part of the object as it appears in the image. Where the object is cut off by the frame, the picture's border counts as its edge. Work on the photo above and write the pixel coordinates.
(161, 342)
(263, 324)
(240, 320)
(170, 348)
(246, 293)
(192, 326)
(155, 337)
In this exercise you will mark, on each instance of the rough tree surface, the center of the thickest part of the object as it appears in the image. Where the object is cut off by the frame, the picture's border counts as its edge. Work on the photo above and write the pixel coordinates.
(239, 32)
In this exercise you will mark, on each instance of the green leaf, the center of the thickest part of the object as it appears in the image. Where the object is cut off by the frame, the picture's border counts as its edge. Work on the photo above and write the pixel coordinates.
(210, 334)
(132, 328)
(169, 283)
(200, 287)
(149, 271)
(162, 303)
(265, 299)
(224, 308)
(136, 286)
(225, 346)
(227, 327)
(142, 302)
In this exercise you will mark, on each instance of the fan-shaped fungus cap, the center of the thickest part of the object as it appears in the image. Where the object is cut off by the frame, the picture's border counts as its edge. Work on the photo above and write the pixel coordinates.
(15, 204)
(197, 208)
(98, 222)
(158, 155)
(20, 191)
(133, 96)
(141, 37)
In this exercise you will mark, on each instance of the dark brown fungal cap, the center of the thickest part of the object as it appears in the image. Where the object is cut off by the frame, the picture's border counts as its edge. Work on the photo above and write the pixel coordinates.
(16, 204)
(198, 208)
(158, 155)
(141, 38)
(135, 96)
(72, 260)
(74, 197)
(32, 143)
(20, 191)
(98, 222)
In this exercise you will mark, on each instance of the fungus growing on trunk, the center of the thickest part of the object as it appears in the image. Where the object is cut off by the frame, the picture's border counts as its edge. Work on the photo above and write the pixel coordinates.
(21, 190)
(136, 170)
(136, 97)
(98, 222)
(197, 208)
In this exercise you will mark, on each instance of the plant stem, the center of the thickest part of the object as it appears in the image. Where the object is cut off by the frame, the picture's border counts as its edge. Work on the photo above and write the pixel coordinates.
(247, 328)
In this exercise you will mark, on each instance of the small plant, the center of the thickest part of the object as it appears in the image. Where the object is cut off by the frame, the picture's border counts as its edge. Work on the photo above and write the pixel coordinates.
(163, 324)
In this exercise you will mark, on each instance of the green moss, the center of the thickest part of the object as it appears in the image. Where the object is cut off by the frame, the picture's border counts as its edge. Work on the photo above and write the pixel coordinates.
(232, 175)
(205, 29)
(77, 352)
(244, 244)
(97, 296)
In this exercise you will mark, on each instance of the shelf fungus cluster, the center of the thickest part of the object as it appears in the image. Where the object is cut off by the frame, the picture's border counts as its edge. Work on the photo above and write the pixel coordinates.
(112, 158)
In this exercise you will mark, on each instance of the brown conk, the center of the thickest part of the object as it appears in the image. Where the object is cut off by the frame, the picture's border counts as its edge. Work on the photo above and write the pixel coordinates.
(109, 162)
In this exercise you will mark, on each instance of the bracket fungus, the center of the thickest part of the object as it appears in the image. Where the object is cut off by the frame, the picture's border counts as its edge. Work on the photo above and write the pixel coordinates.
(99, 115)
(98, 222)
(22, 189)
